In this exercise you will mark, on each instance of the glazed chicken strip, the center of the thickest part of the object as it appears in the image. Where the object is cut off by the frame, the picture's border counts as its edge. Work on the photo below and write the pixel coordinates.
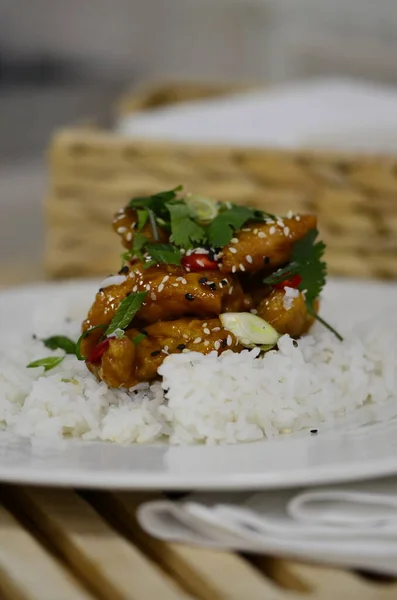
(171, 293)
(124, 364)
(125, 225)
(265, 245)
(286, 315)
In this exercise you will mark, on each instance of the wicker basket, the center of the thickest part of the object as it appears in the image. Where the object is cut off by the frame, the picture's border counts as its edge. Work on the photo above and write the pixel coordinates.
(93, 173)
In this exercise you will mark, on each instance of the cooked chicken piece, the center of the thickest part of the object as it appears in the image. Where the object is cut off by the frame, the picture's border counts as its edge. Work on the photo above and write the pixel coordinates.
(171, 293)
(125, 364)
(268, 245)
(125, 224)
(294, 320)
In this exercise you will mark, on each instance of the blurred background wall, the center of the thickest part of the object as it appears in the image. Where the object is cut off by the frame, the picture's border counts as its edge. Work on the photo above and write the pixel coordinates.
(66, 61)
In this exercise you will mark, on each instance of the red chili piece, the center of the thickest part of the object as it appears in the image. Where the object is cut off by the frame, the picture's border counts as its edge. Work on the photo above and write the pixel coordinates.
(199, 262)
(99, 350)
(292, 282)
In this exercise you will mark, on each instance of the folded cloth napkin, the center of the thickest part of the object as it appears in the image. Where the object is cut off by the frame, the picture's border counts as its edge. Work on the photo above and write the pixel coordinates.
(353, 525)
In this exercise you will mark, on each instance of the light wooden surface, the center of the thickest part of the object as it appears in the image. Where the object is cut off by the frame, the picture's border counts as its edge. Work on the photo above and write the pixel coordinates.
(66, 545)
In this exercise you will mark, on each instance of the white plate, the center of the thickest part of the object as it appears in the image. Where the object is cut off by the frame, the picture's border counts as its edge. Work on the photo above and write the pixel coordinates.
(365, 446)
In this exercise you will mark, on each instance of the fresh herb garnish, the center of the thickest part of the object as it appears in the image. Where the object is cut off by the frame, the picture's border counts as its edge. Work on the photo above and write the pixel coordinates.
(306, 261)
(49, 362)
(143, 215)
(62, 342)
(138, 338)
(222, 228)
(162, 253)
(126, 312)
(185, 232)
(82, 337)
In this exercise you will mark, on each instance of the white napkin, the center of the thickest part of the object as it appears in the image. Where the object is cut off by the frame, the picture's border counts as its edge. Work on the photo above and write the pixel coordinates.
(328, 113)
(353, 524)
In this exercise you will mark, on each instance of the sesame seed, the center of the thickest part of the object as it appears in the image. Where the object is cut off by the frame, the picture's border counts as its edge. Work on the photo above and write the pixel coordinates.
(248, 258)
(128, 237)
(197, 340)
(217, 345)
(241, 266)
(272, 230)
(181, 347)
(185, 336)
(233, 250)
(297, 218)
(230, 290)
(135, 288)
(147, 286)
(189, 297)
(234, 240)
(286, 231)
(246, 229)
(224, 281)
(207, 331)
(295, 343)
(314, 431)
(212, 286)
(204, 324)
(166, 278)
(203, 280)
(206, 343)
(184, 281)
(229, 340)
(166, 348)
(185, 351)
(123, 270)
(200, 263)
(179, 278)
(155, 352)
(290, 214)
(161, 287)
(234, 269)
(175, 284)
(153, 296)
(132, 226)
(132, 274)
(262, 234)
(216, 329)
(121, 229)
(256, 231)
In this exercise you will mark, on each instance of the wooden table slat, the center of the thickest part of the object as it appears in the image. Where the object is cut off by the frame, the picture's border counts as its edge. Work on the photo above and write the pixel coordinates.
(28, 571)
(208, 574)
(110, 566)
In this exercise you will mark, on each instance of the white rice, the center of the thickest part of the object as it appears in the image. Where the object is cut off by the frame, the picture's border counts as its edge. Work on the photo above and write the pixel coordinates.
(201, 399)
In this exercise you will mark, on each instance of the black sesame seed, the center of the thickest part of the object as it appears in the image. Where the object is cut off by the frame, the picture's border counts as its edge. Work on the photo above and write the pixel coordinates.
(314, 431)
(143, 331)
(101, 289)
(34, 336)
(295, 343)
(155, 352)
(124, 269)
(203, 280)
(224, 281)
(224, 342)
(266, 260)
(212, 286)
(181, 347)
(189, 297)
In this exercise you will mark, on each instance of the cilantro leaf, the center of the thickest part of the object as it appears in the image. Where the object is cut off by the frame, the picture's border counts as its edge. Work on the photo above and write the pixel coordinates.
(143, 216)
(49, 362)
(126, 312)
(85, 333)
(306, 261)
(139, 243)
(185, 232)
(163, 253)
(156, 202)
(221, 230)
(60, 341)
